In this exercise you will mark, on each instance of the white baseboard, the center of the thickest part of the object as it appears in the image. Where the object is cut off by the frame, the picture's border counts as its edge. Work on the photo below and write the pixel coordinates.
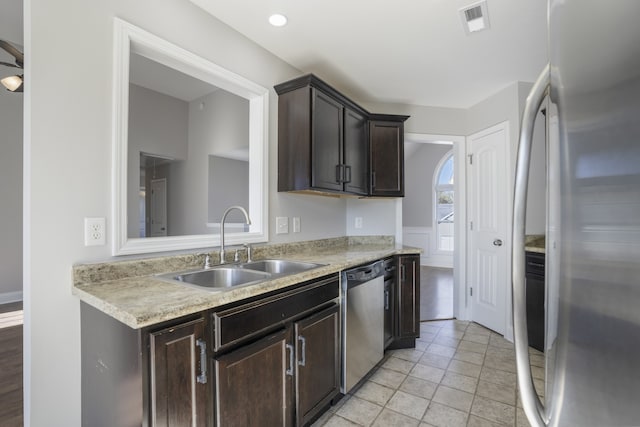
(8, 297)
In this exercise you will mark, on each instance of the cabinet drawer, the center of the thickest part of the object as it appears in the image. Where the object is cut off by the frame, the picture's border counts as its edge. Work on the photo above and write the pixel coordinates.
(534, 263)
(236, 324)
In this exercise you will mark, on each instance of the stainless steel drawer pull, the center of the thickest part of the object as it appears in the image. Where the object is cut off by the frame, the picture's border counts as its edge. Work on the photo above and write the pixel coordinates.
(289, 371)
(303, 357)
(202, 378)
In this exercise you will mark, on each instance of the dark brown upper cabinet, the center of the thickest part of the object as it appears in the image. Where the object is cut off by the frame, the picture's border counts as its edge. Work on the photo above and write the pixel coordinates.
(324, 143)
(387, 155)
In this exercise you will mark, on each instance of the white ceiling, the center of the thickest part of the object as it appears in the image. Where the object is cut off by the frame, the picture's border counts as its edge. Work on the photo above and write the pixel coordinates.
(401, 51)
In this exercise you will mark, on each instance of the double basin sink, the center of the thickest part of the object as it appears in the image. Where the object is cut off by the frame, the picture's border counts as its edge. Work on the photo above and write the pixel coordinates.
(226, 276)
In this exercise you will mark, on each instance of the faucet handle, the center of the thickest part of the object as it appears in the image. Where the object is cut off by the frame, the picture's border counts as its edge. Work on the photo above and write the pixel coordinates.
(207, 261)
(248, 246)
(236, 256)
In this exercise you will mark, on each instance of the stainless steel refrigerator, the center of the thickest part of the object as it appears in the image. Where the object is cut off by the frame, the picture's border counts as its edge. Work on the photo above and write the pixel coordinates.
(592, 339)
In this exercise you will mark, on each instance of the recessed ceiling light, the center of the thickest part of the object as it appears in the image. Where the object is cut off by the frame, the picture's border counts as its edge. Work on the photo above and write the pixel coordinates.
(278, 20)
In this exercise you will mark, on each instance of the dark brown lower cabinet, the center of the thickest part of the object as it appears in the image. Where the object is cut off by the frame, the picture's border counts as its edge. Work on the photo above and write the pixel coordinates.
(284, 379)
(406, 289)
(318, 363)
(178, 386)
(254, 383)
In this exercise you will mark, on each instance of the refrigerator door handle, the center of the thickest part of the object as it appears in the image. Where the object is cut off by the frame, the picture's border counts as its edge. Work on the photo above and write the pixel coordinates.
(533, 407)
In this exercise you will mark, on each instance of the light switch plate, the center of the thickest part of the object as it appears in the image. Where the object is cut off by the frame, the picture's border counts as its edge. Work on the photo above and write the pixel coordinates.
(358, 222)
(282, 225)
(296, 224)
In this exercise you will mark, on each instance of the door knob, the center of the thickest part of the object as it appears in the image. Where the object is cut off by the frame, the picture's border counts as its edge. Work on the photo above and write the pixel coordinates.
(497, 242)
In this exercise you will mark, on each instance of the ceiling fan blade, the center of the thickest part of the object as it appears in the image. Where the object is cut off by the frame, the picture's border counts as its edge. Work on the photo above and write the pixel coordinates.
(9, 65)
(14, 52)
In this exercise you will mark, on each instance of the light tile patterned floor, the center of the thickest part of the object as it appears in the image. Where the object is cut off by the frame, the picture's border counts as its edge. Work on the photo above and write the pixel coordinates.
(459, 374)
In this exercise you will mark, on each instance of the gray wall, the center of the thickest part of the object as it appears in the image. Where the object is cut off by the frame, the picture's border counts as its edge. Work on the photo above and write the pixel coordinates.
(11, 118)
(228, 186)
(158, 125)
(419, 167)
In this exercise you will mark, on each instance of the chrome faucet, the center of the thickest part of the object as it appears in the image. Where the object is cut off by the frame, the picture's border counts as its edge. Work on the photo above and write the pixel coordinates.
(224, 217)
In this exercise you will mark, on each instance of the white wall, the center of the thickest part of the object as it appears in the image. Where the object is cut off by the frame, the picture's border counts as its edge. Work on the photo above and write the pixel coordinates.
(158, 125)
(68, 171)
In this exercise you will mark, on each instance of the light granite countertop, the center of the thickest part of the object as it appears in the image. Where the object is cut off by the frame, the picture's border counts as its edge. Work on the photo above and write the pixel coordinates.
(129, 291)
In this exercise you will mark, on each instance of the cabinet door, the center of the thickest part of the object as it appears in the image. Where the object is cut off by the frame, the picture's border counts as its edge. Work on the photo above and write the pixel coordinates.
(409, 296)
(387, 158)
(177, 398)
(318, 362)
(356, 153)
(326, 143)
(254, 383)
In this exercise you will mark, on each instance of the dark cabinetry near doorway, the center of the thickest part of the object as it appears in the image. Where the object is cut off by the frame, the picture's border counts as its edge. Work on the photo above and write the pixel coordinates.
(535, 266)
(402, 301)
(329, 144)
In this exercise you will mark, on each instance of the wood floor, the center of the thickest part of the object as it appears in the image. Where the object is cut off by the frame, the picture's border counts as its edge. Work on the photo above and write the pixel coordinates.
(11, 365)
(436, 293)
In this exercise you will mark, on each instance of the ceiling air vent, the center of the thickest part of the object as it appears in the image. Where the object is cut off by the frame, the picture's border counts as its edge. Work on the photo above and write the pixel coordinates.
(475, 17)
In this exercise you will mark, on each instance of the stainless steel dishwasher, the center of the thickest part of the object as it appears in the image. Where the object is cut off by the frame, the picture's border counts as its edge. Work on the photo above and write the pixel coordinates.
(362, 321)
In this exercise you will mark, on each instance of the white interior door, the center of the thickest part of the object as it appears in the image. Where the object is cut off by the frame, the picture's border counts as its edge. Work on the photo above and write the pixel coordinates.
(158, 207)
(489, 228)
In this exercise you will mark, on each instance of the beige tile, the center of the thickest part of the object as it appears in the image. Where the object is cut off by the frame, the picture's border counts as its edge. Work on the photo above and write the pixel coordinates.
(498, 377)
(337, 421)
(388, 378)
(457, 399)
(460, 382)
(375, 393)
(475, 421)
(539, 385)
(475, 328)
(469, 356)
(505, 353)
(501, 363)
(389, 418)
(537, 372)
(477, 338)
(359, 411)
(465, 368)
(444, 416)
(521, 418)
(422, 345)
(493, 410)
(429, 373)
(399, 365)
(410, 354)
(323, 419)
(441, 350)
(429, 328)
(537, 360)
(498, 341)
(446, 341)
(501, 393)
(418, 387)
(408, 404)
(451, 333)
(472, 346)
(436, 360)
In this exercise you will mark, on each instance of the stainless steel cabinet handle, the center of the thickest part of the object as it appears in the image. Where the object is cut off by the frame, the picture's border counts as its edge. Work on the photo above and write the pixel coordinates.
(347, 169)
(530, 401)
(303, 358)
(402, 272)
(289, 370)
(202, 378)
(386, 299)
(497, 242)
(339, 173)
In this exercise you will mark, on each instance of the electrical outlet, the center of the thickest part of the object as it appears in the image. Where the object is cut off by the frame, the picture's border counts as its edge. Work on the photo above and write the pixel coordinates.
(358, 222)
(296, 224)
(94, 231)
(282, 225)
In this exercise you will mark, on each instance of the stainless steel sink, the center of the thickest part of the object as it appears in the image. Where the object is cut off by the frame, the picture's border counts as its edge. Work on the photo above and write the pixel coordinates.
(279, 266)
(226, 276)
(220, 277)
